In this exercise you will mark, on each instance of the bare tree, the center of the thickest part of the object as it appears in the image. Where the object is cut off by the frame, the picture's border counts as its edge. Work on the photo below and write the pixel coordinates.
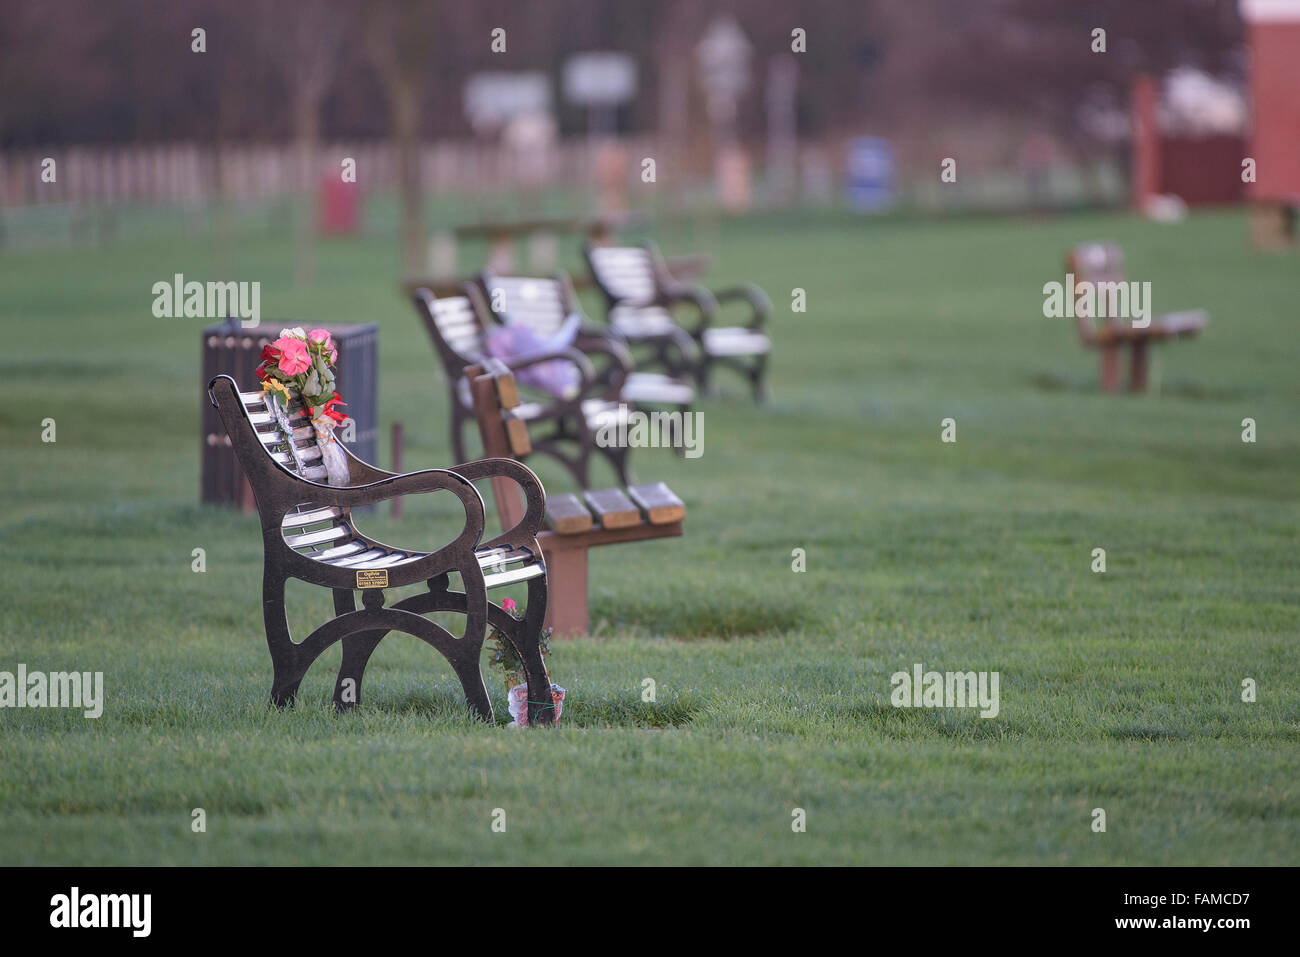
(398, 42)
(303, 42)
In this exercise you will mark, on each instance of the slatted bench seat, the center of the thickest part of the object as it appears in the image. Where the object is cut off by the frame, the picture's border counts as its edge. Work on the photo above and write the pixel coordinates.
(610, 509)
(309, 533)
(641, 295)
(573, 524)
(544, 304)
(1104, 263)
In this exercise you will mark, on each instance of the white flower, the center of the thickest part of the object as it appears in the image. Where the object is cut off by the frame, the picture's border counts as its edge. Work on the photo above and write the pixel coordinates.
(296, 333)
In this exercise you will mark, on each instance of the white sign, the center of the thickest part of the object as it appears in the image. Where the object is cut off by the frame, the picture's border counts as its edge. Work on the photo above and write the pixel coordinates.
(493, 98)
(600, 79)
(723, 56)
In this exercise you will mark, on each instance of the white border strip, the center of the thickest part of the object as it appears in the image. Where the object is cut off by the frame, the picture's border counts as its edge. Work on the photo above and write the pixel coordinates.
(1270, 11)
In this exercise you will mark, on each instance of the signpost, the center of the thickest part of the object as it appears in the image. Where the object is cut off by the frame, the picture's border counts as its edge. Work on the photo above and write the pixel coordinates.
(491, 99)
(601, 82)
(723, 58)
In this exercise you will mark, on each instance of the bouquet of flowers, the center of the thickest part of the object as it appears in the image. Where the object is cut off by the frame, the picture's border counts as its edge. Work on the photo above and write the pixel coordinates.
(505, 657)
(301, 364)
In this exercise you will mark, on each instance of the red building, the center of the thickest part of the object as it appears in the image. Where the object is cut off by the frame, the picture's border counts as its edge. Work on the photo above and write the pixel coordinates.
(1274, 40)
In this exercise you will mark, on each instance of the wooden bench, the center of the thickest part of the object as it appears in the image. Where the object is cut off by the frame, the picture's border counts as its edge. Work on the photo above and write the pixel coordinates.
(573, 524)
(641, 294)
(1104, 263)
(309, 533)
(456, 324)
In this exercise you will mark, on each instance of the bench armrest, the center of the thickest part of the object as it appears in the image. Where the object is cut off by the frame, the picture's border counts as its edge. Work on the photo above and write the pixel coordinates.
(408, 483)
(759, 304)
(694, 295)
(534, 496)
(585, 369)
(414, 483)
(617, 362)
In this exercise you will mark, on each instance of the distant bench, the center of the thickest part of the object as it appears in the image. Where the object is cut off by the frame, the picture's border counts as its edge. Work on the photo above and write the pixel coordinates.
(1104, 263)
(503, 235)
(688, 267)
(573, 525)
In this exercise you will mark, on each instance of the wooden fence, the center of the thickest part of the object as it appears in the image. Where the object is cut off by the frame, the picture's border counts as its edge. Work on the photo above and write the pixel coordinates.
(188, 172)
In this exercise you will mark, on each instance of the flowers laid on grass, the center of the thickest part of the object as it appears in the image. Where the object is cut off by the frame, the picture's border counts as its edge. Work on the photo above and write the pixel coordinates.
(301, 364)
(505, 657)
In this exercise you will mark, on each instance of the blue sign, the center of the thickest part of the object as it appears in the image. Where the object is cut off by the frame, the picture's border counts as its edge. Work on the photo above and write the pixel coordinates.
(870, 174)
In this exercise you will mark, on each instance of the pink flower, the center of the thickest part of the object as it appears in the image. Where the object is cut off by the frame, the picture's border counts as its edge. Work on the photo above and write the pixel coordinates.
(326, 341)
(293, 355)
(509, 604)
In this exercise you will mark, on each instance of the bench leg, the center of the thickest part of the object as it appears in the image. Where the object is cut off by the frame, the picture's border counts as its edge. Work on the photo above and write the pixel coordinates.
(1109, 368)
(704, 376)
(758, 379)
(466, 666)
(566, 605)
(1137, 379)
(287, 669)
(459, 419)
(357, 650)
(541, 706)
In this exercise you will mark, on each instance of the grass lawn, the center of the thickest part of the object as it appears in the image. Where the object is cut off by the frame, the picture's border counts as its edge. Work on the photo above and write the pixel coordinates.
(1119, 691)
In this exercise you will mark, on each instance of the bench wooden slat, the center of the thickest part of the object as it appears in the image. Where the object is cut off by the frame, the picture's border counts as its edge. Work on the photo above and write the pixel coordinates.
(507, 391)
(655, 388)
(658, 503)
(566, 515)
(513, 576)
(303, 519)
(383, 561)
(1184, 323)
(367, 556)
(316, 538)
(342, 551)
(612, 507)
(500, 557)
(517, 434)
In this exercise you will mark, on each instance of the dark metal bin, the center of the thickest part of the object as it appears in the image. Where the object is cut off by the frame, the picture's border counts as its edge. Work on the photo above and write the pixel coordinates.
(231, 349)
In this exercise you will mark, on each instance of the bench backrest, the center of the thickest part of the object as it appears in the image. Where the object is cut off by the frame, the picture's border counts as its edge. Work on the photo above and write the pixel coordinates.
(541, 304)
(294, 449)
(505, 435)
(259, 441)
(1094, 263)
(454, 326)
(625, 274)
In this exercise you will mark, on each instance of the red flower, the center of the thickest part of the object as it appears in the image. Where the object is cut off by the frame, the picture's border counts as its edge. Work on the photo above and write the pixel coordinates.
(270, 353)
(332, 412)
